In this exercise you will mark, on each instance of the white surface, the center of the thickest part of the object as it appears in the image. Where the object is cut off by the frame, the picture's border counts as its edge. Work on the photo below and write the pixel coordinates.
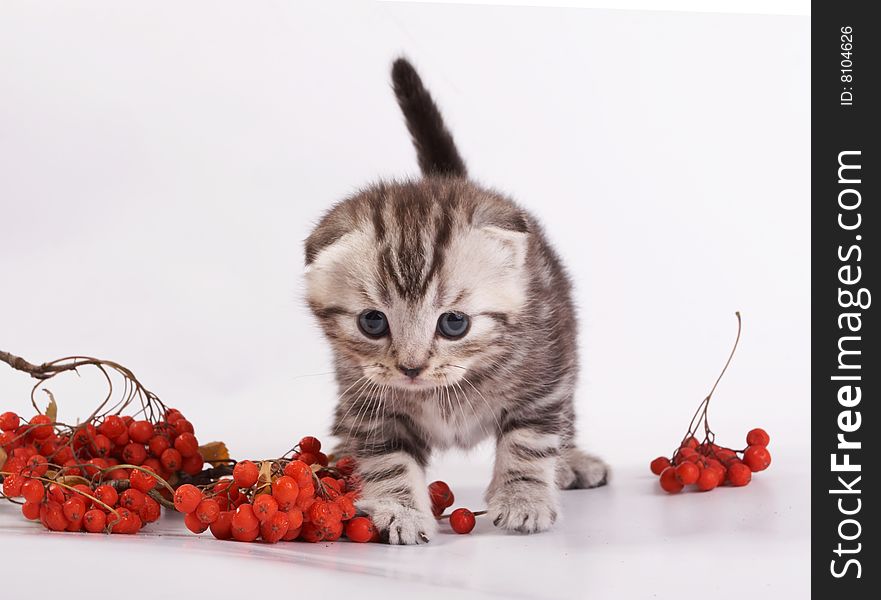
(629, 540)
(161, 163)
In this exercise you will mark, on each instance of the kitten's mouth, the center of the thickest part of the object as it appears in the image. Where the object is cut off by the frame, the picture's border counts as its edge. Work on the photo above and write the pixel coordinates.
(413, 383)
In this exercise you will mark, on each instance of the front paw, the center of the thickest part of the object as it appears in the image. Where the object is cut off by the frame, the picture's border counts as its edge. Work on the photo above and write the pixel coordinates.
(523, 509)
(398, 523)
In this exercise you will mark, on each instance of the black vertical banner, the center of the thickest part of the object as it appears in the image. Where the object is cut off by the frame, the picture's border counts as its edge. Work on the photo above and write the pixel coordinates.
(846, 225)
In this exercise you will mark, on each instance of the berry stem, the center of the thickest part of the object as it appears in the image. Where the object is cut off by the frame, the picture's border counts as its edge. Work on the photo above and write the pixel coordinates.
(701, 414)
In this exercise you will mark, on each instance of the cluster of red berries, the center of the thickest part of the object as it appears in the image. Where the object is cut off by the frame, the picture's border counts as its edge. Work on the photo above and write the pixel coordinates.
(81, 507)
(707, 465)
(96, 476)
(279, 500)
(462, 520)
(165, 447)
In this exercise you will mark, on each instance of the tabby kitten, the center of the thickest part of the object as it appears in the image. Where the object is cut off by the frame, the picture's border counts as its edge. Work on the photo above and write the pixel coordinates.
(451, 320)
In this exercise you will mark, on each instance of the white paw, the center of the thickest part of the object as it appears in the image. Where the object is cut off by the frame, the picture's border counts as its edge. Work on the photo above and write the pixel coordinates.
(402, 524)
(523, 510)
(589, 471)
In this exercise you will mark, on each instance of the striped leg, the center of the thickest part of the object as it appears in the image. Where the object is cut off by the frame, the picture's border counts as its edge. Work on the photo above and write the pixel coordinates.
(523, 494)
(396, 497)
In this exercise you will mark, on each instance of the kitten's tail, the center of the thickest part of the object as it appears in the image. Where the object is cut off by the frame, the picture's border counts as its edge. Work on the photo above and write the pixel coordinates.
(434, 144)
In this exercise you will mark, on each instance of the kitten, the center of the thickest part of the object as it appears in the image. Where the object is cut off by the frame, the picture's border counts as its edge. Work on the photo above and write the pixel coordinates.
(451, 320)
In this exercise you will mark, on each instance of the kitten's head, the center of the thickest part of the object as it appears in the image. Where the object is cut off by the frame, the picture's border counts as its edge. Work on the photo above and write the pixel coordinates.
(418, 283)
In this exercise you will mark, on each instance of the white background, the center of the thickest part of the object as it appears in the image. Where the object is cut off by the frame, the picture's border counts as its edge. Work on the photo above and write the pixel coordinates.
(161, 163)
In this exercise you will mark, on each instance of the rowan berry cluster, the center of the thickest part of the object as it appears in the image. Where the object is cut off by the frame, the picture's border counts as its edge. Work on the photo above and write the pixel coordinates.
(302, 498)
(708, 465)
(462, 520)
(98, 475)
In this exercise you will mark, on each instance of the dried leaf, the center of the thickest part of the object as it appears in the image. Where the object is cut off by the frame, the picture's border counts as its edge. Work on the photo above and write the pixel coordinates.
(73, 480)
(214, 453)
(52, 408)
(264, 478)
(2, 457)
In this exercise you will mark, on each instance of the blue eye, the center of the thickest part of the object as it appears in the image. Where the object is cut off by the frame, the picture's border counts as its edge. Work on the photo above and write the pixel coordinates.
(373, 323)
(453, 325)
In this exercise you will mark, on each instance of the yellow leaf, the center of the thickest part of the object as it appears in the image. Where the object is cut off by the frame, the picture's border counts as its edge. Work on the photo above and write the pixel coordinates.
(214, 453)
(52, 408)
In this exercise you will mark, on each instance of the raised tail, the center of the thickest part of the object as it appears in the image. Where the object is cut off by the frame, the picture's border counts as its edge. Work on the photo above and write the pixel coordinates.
(434, 144)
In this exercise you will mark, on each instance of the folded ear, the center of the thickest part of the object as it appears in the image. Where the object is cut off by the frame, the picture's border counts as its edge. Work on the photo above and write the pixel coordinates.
(512, 244)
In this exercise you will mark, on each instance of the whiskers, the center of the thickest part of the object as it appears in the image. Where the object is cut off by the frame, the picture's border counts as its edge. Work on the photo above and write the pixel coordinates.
(486, 403)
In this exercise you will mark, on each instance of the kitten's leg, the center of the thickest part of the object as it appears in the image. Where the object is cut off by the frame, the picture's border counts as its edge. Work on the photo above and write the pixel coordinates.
(394, 491)
(577, 469)
(523, 494)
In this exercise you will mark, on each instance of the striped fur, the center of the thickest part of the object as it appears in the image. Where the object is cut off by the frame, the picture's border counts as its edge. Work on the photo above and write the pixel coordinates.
(415, 250)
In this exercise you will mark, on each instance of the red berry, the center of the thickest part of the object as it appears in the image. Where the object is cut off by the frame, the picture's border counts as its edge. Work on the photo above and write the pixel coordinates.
(183, 426)
(462, 520)
(150, 511)
(725, 455)
(310, 444)
(265, 507)
(142, 481)
(30, 511)
(107, 494)
(360, 529)
(9, 421)
(158, 444)
(757, 458)
(687, 473)
(171, 460)
(74, 508)
(739, 474)
(194, 523)
(192, 465)
(659, 464)
(308, 458)
(274, 529)
(112, 427)
(441, 495)
(300, 472)
(222, 527)
(758, 437)
(285, 490)
(52, 516)
(346, 465)
(311, 532)
(295, 518)
(36, 466)
(186, 498)
(127, 523)
(186, 444)
(132, 499)
(94, 520)
(245, 521)
(708, 479)
(691, 442)
(33, 491)
(669, 482)
(134, 454)
(682, 455)
(140, 431)
(245, 474)
(172, 415)
(41, 428)
(12, 484)
(346, 506)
